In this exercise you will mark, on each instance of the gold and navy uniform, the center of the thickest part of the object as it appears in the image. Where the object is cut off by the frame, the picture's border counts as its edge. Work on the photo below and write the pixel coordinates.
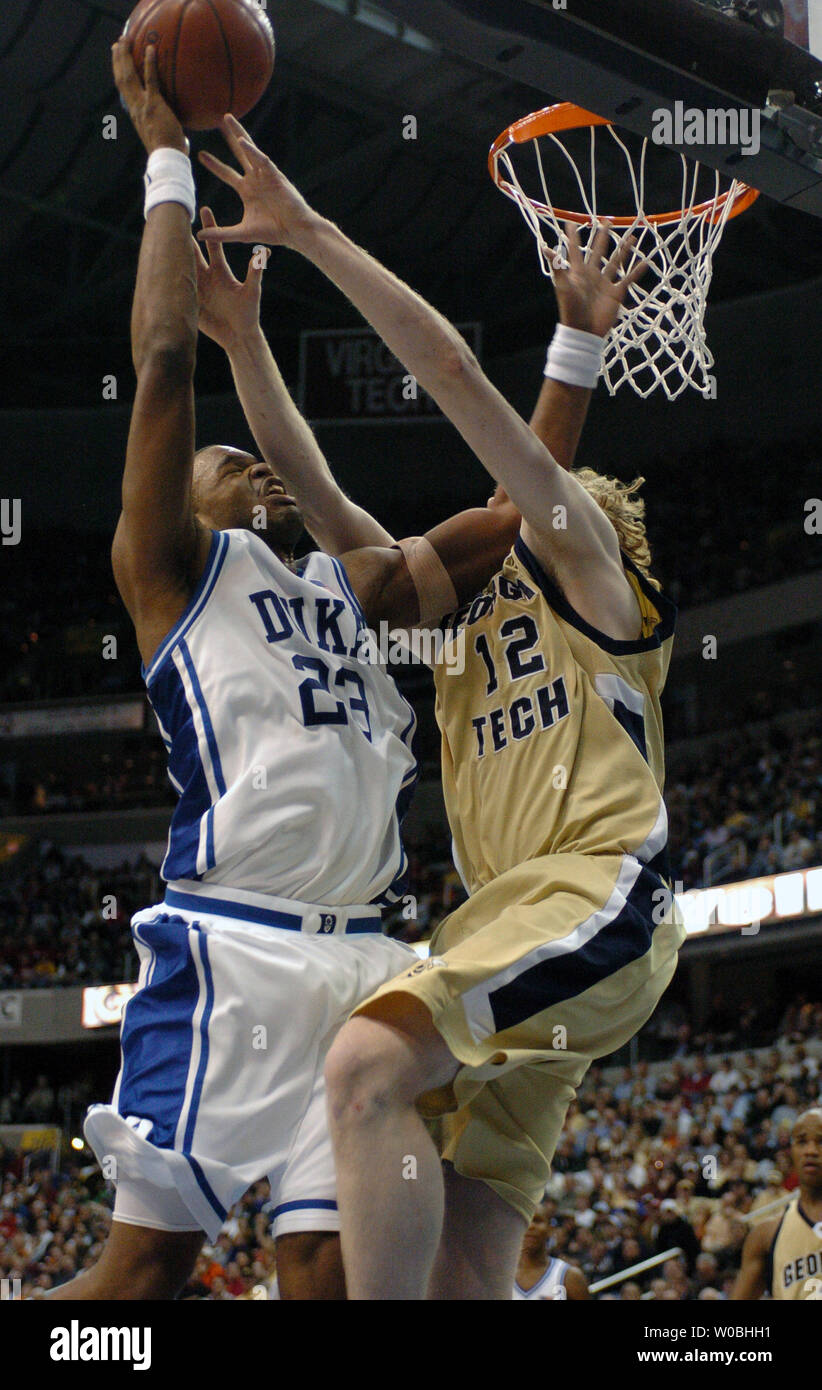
(553, 773)
(796, 1256)
(552, 737)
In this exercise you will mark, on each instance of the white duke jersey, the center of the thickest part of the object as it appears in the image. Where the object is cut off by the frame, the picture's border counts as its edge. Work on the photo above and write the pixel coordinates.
(291, 758)
(550, 1287)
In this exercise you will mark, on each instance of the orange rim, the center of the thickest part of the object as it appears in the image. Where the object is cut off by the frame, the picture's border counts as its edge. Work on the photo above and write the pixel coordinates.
(566, 116)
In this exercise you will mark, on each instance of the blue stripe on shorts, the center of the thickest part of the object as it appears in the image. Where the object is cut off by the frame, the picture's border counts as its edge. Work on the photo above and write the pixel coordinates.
(156, 1038)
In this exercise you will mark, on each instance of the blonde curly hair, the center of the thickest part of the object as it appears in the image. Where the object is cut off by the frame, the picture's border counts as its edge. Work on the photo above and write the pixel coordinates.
(625, 510)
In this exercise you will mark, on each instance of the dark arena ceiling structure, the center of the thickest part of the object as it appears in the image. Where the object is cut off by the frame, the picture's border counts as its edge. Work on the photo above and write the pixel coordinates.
(347, 74)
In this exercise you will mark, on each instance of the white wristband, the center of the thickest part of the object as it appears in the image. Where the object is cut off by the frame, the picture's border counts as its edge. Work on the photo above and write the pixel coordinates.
(169, 179)
(575, 357)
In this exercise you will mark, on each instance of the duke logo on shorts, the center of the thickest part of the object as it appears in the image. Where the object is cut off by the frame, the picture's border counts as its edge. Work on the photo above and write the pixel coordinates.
(293, 765)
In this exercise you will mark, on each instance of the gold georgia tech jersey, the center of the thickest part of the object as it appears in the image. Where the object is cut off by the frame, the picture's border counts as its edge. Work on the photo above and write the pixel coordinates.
(796, 1256)
(552, 733)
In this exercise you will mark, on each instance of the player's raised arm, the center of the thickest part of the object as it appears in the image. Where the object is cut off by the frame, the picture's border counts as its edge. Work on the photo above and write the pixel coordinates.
(589, 303)
(159, 547)
(230, 315)
(583, 549)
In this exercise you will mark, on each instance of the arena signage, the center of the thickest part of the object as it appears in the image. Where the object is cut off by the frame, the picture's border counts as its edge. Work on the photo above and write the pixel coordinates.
(348, 376)
(72, 719)
(11, 1010)
(752, 903)
(32, 1139)
(103, 1004)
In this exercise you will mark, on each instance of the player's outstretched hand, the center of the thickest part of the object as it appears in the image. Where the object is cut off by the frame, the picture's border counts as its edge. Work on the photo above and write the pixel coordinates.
(229, 308)
(153, 118)
(590, 295)
(274, 212)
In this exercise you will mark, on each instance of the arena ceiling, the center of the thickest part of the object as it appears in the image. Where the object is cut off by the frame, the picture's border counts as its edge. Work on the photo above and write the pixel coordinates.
(346, 76)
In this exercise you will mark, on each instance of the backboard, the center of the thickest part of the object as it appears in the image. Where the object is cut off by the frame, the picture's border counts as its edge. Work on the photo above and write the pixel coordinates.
(628, 60)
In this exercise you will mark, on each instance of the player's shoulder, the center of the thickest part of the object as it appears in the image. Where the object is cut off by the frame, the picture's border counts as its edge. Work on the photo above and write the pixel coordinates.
(576, 1285)
(658, 613)
(341, 574)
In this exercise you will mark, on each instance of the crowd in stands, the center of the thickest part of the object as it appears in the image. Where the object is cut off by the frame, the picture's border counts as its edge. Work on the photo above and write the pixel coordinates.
(710, 550)
(682, 1156)
(53, 1226)
(65, 923)
(654, 1158)
(53, 633)
(725, 801)
(45, 1103)
(137, 778)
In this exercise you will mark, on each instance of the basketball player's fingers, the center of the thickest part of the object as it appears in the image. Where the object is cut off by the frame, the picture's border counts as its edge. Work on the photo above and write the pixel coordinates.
(151, 77)
(222, 171)
(125, 73)
(215, 234)
(599, 248)
(256, 158)
(230, 125)
(216, 254)
(250, 155)
(234, 135)
(620, 288)
(575, 256)
(256, 268)
(620, 256)
(635, 274)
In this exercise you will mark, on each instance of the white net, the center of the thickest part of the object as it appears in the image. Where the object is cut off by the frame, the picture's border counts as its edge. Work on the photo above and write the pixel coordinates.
(660, 340)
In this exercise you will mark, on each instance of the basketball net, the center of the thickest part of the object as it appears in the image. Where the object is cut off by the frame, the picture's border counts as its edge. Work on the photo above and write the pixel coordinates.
(660, 339)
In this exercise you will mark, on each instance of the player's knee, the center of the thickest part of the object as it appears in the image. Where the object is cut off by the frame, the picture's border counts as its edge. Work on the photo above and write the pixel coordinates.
(367, 1072)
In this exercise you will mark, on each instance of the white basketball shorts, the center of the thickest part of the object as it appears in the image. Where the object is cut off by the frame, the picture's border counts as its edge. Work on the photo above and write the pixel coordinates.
(223, 1048)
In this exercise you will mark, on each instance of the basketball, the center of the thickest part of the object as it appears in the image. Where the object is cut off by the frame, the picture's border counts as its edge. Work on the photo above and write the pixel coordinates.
(214, 57)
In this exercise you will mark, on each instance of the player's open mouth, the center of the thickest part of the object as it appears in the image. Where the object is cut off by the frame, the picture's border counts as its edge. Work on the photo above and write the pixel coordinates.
(272, 491)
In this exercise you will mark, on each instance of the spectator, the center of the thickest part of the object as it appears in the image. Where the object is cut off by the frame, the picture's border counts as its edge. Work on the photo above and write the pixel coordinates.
(673, 1230)
(38, 1107)
(724, 1231)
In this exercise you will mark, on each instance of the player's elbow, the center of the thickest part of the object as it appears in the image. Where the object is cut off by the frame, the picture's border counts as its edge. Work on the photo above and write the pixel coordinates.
(166, 359)
(457, 363)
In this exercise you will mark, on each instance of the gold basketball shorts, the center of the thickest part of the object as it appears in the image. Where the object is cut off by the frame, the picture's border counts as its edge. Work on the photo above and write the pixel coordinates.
(548, 967)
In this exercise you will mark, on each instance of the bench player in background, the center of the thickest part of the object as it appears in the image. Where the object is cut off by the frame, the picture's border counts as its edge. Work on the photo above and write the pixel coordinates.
(783, 1256)
(570, 935)
(541, 1276)
(292, 761)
